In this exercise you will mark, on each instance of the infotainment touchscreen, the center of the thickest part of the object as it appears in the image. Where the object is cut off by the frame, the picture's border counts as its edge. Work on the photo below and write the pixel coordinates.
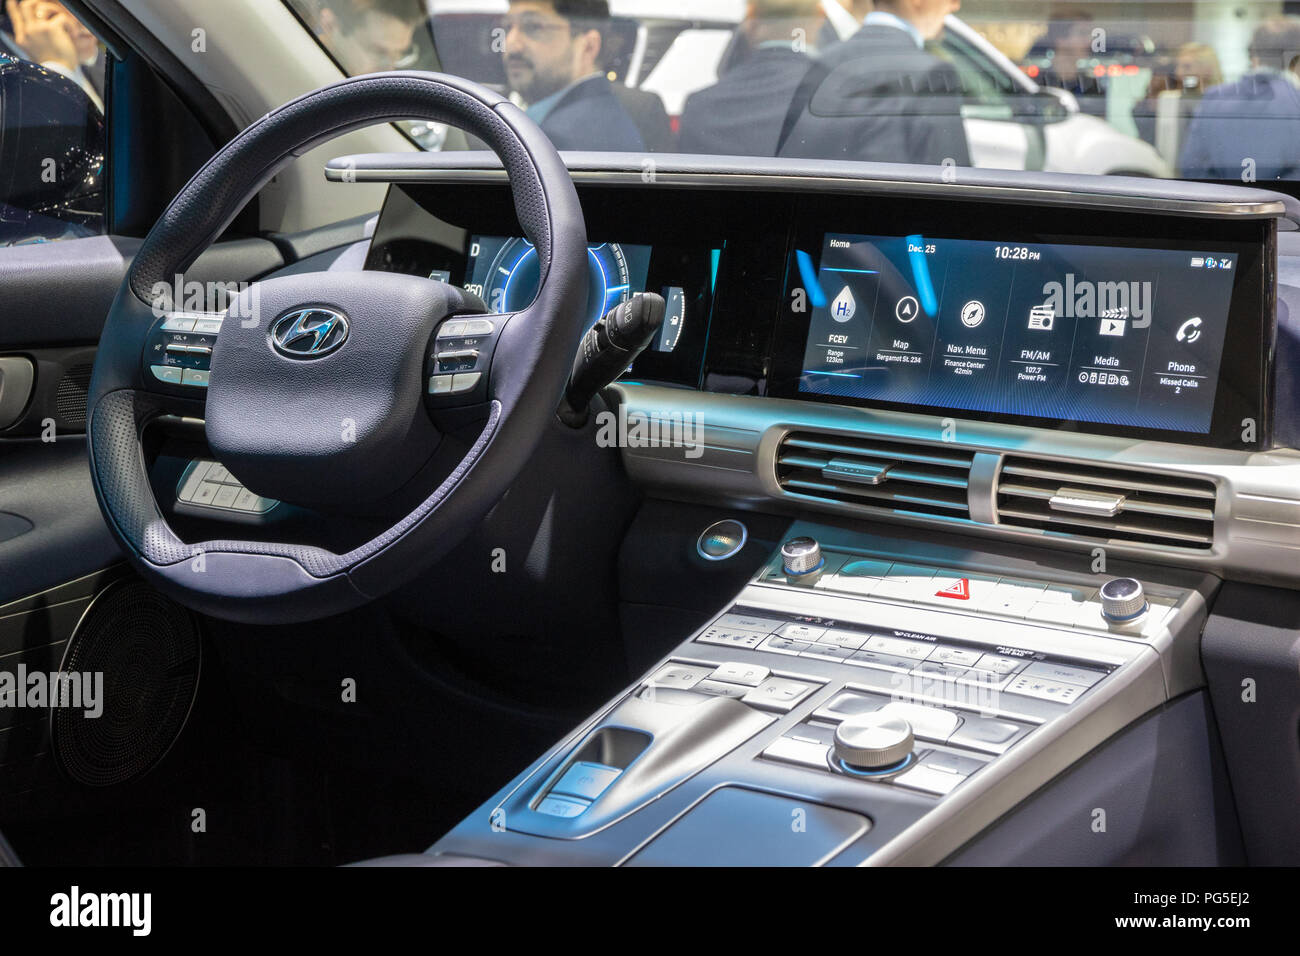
(1129, 337)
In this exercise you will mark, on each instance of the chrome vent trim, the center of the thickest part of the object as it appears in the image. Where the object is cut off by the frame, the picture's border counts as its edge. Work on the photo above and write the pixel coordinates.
(897, 476)
(1174, 511)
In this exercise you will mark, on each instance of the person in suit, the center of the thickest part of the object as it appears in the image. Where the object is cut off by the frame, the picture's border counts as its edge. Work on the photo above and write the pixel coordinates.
(369, 36)
(46, 32)
(1249, 129)
(880, 96)
(552, 56)
(743, 113)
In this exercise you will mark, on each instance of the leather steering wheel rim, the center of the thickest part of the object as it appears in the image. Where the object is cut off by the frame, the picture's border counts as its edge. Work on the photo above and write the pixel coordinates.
(260, 582)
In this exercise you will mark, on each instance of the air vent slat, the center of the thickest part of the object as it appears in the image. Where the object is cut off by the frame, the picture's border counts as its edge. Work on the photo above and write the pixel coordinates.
(876, 474)
(881, 452)
(1145, 508)
(1126, 481)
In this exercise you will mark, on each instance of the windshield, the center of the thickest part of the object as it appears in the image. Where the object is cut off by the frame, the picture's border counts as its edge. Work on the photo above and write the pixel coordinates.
(1198, 89)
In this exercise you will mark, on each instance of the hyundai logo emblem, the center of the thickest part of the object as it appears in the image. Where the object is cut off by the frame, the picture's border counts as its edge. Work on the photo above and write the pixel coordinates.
(309, 333)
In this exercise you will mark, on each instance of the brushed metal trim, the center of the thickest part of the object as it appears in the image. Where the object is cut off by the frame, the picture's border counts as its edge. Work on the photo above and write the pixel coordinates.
(1271, 209)
(1256, 514)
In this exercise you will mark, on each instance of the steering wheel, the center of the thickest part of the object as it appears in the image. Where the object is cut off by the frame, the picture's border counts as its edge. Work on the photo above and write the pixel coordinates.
(322, 389)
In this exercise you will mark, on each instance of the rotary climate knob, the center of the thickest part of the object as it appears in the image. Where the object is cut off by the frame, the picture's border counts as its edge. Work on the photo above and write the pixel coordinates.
(873, 741)
(1123, 600)
(801, 556)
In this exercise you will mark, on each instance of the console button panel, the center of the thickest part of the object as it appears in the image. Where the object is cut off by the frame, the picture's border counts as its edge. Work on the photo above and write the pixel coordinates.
(1053, 603)
(966, 702)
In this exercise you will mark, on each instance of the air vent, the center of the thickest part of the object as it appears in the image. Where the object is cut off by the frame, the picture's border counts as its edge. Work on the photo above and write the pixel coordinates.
(899, 476)
(1107, 503)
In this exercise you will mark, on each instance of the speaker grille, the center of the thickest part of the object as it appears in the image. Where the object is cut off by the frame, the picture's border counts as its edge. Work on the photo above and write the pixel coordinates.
(148, 649)
(70, 396)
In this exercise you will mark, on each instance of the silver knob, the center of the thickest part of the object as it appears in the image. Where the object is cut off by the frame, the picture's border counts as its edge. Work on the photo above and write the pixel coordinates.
(800, 556)
(1123, 600)
(873, 741)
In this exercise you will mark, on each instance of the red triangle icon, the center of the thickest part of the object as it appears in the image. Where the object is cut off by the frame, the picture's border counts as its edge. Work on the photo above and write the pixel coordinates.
(958, 591)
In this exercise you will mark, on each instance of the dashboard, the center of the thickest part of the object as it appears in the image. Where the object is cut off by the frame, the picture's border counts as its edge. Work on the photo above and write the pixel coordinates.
(1074, 362)
(1100, 323)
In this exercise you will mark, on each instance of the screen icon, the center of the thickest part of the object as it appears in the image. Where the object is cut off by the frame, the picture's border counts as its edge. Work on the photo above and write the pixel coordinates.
(906, 309)
(1113, 326)
(972, 314)
(1042, 318)
(1198, 262)
(845, 306)
(1190, 330)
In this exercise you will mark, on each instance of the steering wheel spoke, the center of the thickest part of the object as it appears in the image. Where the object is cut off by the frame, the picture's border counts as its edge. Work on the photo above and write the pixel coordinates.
(333, 390)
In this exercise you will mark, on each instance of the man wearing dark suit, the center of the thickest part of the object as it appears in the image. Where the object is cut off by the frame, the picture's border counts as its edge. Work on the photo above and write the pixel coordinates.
(880, 96)
(1250, 129)
(552, 60)
(743, 113)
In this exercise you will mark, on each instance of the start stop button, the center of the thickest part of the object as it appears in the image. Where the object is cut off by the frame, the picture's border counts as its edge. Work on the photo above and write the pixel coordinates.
(722, 540)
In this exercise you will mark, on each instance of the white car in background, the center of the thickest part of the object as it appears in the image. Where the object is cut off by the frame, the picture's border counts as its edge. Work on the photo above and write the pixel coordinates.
(1011, 122)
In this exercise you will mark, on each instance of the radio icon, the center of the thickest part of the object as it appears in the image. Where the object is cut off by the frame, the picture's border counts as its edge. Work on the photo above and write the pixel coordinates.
(1042, 318)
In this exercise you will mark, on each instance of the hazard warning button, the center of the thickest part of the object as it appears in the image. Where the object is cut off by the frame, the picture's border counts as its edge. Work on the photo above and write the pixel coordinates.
(965, 592)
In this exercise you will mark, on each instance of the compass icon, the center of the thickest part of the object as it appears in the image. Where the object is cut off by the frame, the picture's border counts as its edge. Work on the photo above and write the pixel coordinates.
(972, 314)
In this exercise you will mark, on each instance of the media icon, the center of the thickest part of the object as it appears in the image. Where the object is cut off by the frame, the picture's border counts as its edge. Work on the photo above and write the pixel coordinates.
(1042, 318)
(972, 314)
(1198, 262)
(906, 309)
(845, 306)
(1114, 327)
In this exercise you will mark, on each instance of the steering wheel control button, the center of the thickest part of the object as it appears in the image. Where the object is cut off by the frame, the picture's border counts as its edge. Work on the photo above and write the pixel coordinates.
(440, 385)
(477, 327)
(209, 487)
(586, 780)
(801, 558)
(465, 382)
(170, 374)
(1123, 600)
(459, 360)
(195, 376)
(873, 741)
(179, 323)
(722, 540)
(207, 326)
(451, 330)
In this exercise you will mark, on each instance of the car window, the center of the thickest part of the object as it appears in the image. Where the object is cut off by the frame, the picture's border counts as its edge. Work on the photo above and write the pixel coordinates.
(1191, 89)
(52, 140)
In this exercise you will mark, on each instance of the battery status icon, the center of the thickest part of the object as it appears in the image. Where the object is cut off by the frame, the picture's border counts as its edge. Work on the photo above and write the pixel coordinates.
(1198, 262)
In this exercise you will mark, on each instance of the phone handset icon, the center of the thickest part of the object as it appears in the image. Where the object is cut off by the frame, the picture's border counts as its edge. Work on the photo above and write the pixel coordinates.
(1190, 330)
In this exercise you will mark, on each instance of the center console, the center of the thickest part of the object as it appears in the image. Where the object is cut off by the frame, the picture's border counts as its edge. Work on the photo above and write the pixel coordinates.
(860, 701)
